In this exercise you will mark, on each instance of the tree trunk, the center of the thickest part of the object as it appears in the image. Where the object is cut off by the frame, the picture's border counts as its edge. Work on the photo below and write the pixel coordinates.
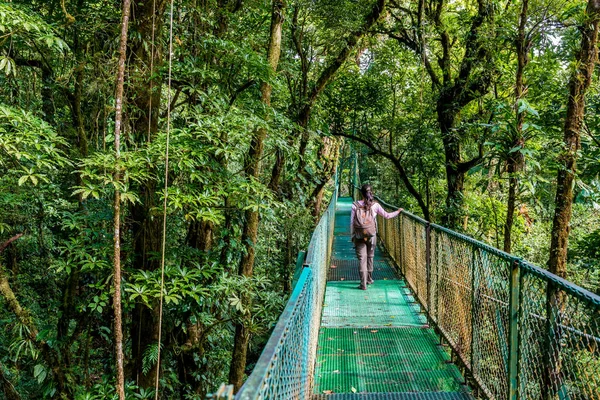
(146, 86)
(277, 171)
(52, 359)
(7, 387)
(578, 85)
(145, 81)
(250, 229)
(118, 323)
(557, 263)
(328, 73)
(455, 179)
(328, 156)
(47, 96)
(516, 160)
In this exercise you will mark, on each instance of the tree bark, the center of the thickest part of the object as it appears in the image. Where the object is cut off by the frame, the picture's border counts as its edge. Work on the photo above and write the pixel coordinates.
(578, 85)
(252, 169)
(7, 387)
(328, 156)
(146, 83)
(557, 263)
(516, 160)
(118, 323)
(50, 356)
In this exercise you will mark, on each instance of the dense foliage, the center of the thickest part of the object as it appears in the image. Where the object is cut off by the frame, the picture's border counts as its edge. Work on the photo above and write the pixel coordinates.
(423, 91)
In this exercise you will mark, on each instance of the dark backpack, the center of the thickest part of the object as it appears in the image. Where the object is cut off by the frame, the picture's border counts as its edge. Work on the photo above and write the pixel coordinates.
(364, 223)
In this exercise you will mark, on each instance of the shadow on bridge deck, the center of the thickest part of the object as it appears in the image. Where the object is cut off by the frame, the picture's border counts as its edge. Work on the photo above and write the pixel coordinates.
(376, 344)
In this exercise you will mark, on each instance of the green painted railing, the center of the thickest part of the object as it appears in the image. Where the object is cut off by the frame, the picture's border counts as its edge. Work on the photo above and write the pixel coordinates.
(285, 368)
(519, 331)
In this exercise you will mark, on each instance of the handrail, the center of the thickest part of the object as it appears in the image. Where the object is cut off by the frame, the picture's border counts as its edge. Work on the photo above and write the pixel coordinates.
(489, 305)
(265, 363)
(285, 367)
(564, 284)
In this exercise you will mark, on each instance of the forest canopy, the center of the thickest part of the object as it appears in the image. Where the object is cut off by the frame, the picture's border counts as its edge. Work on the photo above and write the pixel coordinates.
(479, 115)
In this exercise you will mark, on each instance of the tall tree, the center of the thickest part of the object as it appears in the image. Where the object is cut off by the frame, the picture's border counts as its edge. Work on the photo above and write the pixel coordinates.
(581, 78)
(309, 92)
(252, 167)
(118, 321)
(515, 158)
(579, 83)
(145, 82)
(454, 90)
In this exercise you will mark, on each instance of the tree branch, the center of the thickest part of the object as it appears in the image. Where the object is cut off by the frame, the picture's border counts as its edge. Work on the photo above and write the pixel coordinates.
(399, 167)
(4, 245)
(240, 90)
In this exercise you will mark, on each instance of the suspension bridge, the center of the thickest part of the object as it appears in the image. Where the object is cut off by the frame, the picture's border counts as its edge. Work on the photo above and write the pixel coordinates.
(447, 317)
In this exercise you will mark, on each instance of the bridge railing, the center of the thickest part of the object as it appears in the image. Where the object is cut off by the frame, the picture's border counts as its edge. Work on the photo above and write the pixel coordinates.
(285, 369)
(520, 331)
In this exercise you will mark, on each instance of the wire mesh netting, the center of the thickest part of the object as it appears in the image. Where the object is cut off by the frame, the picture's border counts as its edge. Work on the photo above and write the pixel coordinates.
(377, 340)
(286, 367)
(520, 331)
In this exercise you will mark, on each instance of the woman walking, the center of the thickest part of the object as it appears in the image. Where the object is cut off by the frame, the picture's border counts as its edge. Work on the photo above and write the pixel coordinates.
(363, 231)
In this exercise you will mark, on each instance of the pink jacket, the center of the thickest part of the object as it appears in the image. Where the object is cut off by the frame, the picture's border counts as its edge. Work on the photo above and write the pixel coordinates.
(376, 209)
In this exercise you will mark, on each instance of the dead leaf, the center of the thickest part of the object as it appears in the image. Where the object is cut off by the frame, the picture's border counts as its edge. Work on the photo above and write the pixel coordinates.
(353, 389)
(327, 391)
(333, 266)
(337, 371)
(342, 279)
(373, 331)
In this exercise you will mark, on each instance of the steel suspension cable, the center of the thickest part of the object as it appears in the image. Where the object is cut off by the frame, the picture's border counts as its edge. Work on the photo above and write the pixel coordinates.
(166, 195)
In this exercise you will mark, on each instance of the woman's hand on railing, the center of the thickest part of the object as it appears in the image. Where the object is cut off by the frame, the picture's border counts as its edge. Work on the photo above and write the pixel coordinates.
(400, 210)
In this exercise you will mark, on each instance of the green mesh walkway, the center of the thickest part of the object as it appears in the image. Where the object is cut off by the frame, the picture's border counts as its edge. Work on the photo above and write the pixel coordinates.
(375, 344)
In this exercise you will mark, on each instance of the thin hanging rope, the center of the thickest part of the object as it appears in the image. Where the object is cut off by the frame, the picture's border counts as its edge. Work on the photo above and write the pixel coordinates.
(137, 379)
(166, 194)
(151, 69)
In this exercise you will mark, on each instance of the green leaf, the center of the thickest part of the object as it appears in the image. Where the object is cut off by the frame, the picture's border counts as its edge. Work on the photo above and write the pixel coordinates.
(514, 149)
(39, 372)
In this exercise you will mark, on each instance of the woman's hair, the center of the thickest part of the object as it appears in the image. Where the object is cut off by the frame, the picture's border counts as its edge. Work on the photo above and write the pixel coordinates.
(367, 193)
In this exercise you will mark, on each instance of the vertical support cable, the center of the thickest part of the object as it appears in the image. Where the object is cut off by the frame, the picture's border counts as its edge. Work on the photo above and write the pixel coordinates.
(513, 342)
(415, 277)
(166, 196)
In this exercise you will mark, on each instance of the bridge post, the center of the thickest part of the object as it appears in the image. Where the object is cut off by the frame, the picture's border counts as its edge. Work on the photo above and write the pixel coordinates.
(513, 342)
(428, 265)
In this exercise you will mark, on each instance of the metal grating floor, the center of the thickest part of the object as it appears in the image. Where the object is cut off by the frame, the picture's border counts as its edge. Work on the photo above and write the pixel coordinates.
(394, 396)
(384, 304)
(375, 344)
(347, 270)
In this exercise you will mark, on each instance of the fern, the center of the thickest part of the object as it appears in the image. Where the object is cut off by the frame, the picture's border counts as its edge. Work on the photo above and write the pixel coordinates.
(150, 358)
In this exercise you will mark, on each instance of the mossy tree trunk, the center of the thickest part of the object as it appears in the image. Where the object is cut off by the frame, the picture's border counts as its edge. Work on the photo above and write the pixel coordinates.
(252, 168)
